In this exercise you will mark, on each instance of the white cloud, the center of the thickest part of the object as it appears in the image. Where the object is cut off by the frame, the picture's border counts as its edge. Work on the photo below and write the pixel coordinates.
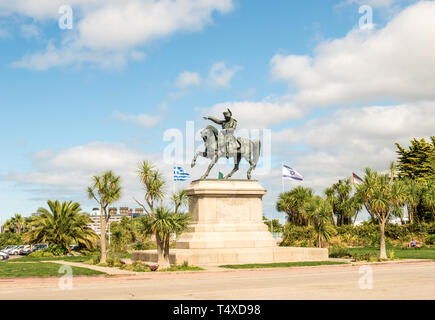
(65, 174)
(372, 3)
(53, 57)
(143, 120)
(395, 62)
(73, 168)
(30, 31)
(256, 115)
(110, 27)
(188, 79)
(220, 75)
(352, 139)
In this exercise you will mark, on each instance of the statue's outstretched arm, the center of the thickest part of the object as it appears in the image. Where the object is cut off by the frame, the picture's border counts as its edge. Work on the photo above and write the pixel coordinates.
(217, 121)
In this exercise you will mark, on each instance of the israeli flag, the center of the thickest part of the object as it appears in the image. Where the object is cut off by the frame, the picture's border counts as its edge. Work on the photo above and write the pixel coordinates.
(289, 173)
(180, 174)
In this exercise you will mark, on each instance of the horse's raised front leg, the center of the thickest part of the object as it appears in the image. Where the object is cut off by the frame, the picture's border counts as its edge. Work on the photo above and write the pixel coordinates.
(204, 154)
(213, 162)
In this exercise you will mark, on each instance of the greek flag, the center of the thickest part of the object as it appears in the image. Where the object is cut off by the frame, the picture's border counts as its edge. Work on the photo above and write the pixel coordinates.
(289, 173)
(180, 174)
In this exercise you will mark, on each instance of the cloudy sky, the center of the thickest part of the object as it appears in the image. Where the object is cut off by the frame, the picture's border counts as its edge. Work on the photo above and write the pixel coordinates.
(329, 96)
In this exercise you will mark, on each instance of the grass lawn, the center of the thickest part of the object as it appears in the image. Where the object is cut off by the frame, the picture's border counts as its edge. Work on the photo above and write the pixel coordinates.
(182, 268)
(282, 264)
(64, 258)
(40, 269)
(399, 252)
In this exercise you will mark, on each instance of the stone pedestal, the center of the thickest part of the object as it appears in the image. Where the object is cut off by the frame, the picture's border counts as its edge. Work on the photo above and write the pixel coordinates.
(227, 228)
(226, 214)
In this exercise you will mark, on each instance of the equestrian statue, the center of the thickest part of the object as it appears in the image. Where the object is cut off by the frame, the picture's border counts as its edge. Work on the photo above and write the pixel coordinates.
(224, 144)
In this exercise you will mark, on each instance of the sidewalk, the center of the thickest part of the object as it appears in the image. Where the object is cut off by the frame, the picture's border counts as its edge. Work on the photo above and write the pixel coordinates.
(108, 270)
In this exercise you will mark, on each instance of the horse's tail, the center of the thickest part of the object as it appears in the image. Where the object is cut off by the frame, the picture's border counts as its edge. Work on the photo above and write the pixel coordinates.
(256, 151)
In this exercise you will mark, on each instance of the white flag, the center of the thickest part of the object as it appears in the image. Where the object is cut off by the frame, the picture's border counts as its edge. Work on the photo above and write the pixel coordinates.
(289, 173)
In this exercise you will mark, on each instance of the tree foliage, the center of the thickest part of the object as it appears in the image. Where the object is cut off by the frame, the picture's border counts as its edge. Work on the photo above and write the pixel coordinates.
(418, 161)
(382, 195)
(61, 224)
(293, 204)
(161, 221)
(343, 203)
(319, 213)
(105, 189)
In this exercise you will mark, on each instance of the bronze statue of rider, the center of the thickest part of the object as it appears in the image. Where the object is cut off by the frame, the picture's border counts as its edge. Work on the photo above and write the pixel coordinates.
(228, 126)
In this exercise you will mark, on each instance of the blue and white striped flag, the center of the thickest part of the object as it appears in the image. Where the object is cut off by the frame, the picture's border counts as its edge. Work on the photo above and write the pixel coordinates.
(289, 173)
(180, 174)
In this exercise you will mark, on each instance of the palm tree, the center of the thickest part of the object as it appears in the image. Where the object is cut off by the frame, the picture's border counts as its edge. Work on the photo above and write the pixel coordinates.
(319, 212)
(18, 222)
(163, 223)
(179, 200)
(62, 224)
(293, 204)
(414, 192)
(429, 199)
(154, 186)
(343, 203)
(106, 189)
(381, 196)
(9, 225)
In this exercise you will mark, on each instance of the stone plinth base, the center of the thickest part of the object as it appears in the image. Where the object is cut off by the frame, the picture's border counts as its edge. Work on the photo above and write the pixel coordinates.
(227, 228)
(236, 255)
(226, 214)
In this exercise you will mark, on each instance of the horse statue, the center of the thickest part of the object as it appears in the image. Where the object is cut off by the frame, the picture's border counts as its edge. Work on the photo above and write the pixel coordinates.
(217, 146)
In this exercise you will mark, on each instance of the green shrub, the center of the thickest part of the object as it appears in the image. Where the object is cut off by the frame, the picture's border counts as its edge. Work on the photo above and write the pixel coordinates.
(57, 250)
(42, 254)
(339, 252)
(430, 239)
(363, 235)
(297, 236)
(365, 256)
(9, 238)
(147, 245)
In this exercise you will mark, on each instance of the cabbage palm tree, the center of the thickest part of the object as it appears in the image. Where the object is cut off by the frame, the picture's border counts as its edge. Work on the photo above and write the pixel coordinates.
(163, 223)
(343, 203)
(319, 212)
(18, 223)
(105, 189)
(62, 224)
(414, 193)
(154, 186)
(293, 204)
(381, 195)
(429, 199)
(160, 221)
(179, 200)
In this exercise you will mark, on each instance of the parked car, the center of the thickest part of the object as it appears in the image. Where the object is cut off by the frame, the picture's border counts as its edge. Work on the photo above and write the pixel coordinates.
(16, 251)
(4, 256)
(39, 246)
(6, 249)
(9, 249)
(25, 250)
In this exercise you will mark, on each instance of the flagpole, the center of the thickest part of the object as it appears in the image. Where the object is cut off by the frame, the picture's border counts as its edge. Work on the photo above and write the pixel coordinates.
(173, 182)
(282, 178)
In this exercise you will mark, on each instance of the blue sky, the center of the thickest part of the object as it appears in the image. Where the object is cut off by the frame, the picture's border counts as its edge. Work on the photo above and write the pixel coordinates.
(100, 96)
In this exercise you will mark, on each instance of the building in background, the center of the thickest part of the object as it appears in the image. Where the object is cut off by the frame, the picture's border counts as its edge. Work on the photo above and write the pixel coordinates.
(114, 216)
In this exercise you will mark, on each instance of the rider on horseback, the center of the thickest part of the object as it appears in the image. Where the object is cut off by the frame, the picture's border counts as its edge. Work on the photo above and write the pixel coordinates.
(228, 126)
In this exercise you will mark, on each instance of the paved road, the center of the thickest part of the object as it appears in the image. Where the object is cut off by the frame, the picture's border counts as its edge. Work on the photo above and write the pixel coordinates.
(390, 281)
